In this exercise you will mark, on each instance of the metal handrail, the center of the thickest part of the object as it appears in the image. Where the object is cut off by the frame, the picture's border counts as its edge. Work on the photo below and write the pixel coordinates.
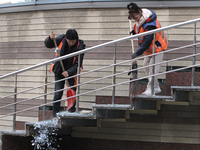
(103, 88)
(105, 76)
(103, 45)
(112, 65)
(109, 76)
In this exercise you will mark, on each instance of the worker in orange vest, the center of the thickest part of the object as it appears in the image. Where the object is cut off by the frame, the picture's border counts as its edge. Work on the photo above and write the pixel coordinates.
(146, 20)
(68, 43)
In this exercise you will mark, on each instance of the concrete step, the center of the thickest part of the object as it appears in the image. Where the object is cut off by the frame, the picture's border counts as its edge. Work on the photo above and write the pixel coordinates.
(182, 93)
(185, 88)
(143, 111)
(112, 106)
(153, 97)
(174, 103)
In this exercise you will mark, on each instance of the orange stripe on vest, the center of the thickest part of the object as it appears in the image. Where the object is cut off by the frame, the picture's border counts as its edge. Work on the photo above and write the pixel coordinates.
(56, 54)
(160, 37)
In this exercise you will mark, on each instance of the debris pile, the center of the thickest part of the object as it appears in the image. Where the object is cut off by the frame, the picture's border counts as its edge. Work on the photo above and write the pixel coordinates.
(46, 137)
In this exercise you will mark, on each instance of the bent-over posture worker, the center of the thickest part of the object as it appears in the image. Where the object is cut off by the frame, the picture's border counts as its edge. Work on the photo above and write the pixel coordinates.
(67, 43)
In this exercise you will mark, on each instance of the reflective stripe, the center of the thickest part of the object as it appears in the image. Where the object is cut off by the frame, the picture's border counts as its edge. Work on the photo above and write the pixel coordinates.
(51, 67)
(56, 54)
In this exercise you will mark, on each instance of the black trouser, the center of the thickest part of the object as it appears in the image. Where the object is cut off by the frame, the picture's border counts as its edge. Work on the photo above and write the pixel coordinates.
(58, 95)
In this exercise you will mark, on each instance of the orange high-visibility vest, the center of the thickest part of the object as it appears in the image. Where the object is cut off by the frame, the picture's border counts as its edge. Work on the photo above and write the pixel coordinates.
(56, 55)
(159, 37)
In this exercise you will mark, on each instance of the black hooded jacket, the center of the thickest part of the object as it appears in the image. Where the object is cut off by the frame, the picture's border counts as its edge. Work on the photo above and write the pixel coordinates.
(69, 66)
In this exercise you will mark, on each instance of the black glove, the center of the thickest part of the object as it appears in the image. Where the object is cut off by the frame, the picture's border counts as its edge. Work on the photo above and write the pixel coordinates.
(134, 55)
(132, 32)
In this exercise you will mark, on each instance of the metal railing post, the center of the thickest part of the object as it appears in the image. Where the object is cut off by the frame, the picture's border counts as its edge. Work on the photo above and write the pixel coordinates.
(114, 78)
(78, 82)
(101, 45)
(194, 58)
(45, 92)
(153, 67)
(113, 75)
(15, 100)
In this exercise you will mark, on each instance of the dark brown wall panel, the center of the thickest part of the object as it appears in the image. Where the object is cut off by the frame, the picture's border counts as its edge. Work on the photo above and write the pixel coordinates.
(37, 50)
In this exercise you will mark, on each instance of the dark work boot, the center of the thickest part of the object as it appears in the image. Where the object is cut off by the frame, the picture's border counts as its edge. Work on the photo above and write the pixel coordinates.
(73, 108)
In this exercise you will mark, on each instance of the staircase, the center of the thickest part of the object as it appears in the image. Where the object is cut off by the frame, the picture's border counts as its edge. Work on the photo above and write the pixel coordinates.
(157, 118)
(168, 119)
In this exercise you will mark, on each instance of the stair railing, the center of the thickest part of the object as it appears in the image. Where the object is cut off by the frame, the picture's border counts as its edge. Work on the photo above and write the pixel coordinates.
(114, 84)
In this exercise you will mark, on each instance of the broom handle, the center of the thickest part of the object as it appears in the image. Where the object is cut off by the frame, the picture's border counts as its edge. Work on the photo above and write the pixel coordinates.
(54, 40)
(61, 63)
(132, 44)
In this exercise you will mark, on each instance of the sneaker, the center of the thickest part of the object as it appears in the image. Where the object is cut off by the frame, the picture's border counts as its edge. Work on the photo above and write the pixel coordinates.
(147, 92)
(157, 89)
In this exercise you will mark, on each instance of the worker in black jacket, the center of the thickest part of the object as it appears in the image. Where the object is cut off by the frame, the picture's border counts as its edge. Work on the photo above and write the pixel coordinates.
(67, 43)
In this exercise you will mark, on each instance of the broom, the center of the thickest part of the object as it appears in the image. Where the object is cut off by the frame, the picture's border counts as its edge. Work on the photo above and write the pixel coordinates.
(133, 87)
(70, 92)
